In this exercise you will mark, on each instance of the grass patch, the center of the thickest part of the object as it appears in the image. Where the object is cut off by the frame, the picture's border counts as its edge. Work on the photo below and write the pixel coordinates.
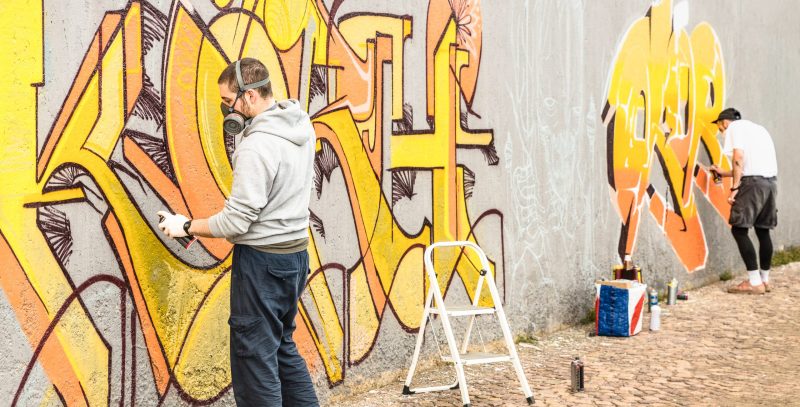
(527, 338)
(589, 318)
(789, 255)
(726, 276)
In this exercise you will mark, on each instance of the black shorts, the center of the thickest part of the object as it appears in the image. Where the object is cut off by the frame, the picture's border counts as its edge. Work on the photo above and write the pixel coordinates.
(755, 204)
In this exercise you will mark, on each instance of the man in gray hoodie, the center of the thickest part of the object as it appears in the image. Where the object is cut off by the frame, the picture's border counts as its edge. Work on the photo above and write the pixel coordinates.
(266, 218)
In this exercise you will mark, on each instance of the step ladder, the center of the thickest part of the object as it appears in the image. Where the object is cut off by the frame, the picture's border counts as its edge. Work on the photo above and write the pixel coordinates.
(434, 305)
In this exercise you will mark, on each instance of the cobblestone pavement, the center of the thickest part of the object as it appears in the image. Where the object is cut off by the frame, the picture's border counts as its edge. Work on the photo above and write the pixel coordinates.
(714, 349)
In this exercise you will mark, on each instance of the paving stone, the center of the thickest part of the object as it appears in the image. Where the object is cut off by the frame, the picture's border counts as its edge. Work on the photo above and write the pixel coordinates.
(715, 349)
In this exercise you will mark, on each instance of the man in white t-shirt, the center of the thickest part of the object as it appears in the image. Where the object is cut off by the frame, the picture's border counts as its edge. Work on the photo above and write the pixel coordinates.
(753, 195)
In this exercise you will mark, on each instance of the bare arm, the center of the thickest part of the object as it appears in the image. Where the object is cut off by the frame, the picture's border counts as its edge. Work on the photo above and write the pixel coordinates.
(720, 171)
(199, 227)
(738, 166)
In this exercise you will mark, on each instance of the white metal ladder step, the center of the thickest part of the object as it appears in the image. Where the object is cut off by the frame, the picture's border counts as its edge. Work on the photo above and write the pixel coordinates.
(434, 304)
(474, 358)
(464, 310)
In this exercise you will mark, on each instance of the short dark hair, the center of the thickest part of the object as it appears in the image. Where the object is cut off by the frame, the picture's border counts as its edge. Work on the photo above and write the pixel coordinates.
(252, 71)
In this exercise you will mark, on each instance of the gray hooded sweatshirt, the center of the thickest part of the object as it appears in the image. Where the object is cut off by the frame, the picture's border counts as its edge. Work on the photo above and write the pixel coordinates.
(272, 175)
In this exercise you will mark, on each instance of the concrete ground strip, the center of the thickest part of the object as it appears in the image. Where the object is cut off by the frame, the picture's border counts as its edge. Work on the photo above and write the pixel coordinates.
(713, 349)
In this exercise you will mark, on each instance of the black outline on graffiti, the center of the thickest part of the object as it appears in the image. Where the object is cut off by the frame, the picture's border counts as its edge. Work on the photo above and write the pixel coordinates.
(125, 286)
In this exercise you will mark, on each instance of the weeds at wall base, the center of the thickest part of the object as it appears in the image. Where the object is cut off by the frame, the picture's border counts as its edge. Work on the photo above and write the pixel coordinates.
(526, 338)
(786, 256)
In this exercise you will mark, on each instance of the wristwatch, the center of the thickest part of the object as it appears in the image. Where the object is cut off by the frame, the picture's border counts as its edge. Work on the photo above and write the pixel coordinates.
(186, 227)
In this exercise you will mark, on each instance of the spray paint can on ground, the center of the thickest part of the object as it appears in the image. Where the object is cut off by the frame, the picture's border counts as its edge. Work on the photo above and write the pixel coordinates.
(672, 292)
(576, 375)
(652, 299)
(655, 318)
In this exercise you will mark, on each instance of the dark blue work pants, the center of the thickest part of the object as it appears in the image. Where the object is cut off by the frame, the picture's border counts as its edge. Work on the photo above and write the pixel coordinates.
(266, 368)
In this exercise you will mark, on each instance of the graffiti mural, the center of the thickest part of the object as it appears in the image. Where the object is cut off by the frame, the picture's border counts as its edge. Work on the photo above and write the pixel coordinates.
(665, 87)
(128, 140)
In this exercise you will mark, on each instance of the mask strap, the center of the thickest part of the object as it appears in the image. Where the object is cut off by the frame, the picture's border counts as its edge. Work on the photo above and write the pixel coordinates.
(240, 81)
(230, 108)
(257, 84)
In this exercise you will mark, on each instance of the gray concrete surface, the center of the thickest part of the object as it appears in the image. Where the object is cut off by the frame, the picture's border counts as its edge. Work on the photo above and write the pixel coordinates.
(714, 349)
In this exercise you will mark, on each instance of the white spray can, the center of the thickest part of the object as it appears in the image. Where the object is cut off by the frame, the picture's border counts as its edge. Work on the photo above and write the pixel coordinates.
(655, 318)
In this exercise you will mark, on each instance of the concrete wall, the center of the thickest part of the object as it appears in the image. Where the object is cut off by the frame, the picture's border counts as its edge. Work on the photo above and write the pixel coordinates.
(537, 129)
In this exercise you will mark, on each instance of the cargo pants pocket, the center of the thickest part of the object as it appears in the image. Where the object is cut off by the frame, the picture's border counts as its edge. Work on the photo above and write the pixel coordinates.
(248, 334)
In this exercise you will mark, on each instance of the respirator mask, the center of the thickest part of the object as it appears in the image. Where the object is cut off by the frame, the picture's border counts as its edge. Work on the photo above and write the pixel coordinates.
(235, 121)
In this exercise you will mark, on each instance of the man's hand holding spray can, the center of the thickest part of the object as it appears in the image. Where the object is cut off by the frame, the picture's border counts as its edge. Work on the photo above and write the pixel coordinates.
(715, 174)
(185, 239)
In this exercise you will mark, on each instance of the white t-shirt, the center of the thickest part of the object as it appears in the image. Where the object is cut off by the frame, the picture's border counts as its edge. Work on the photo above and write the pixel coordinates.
(755, 141)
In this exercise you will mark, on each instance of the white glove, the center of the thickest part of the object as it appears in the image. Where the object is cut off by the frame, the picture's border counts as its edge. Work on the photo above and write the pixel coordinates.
(172, 225)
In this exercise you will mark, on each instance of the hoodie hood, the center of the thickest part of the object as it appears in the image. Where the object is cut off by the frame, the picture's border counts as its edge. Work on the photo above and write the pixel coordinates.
(285, 120)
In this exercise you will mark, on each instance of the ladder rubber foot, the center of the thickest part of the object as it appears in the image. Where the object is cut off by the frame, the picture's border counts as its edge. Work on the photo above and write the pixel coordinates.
(407, 391)
(466, 405)
(530, 400)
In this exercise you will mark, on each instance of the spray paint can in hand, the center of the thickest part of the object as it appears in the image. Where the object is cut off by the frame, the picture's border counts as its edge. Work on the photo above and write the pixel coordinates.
(185, 241)
(672, 293)
(655, 318)
(576, 375)
(716, 176)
